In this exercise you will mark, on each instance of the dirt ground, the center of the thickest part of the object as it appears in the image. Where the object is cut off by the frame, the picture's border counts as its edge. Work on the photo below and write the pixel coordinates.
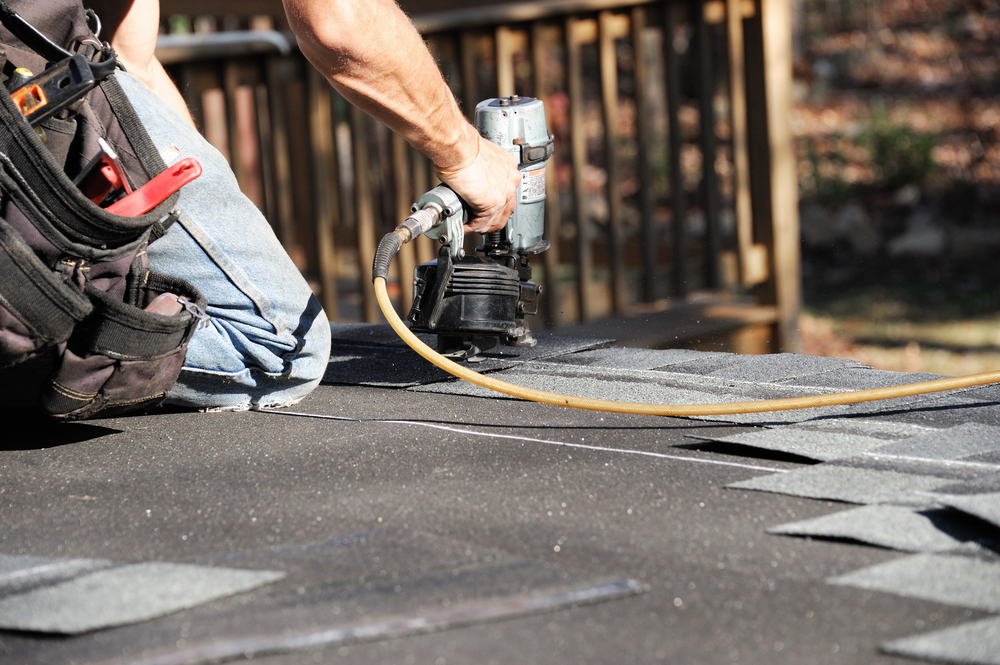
(897, 121)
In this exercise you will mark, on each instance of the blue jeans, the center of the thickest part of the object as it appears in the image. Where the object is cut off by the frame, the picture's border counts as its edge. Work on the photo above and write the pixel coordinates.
(268, 342)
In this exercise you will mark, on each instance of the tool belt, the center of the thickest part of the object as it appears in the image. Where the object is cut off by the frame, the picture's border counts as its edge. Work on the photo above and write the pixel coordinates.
(76, 336)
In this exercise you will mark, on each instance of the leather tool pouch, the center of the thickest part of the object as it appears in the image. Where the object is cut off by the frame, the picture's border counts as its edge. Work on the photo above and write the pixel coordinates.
(75, 337)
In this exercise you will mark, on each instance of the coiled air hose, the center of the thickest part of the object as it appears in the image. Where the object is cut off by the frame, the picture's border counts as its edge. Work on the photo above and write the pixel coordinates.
(393, 241)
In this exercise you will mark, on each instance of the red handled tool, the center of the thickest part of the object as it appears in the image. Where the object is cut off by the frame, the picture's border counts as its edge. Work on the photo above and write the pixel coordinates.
(103, 175)
(154, 192)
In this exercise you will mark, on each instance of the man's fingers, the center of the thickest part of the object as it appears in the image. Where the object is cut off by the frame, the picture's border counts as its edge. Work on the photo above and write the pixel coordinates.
(492, 220)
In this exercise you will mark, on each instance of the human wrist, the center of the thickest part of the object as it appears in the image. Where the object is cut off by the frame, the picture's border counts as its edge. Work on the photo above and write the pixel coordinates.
(452, 171)
(462, 153)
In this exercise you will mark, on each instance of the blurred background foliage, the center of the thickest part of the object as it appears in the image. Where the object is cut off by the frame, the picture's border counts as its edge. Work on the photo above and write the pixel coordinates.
(897, 120)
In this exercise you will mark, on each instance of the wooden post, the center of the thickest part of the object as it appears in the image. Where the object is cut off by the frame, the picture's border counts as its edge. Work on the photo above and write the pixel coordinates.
(741, 149)
(775, 188)
(710, 179)
(231, 82)
(678, 197)
(553, 215)
(325, 187)
(190, 81)
(364, 215)
(284, 209)
(470, 87)
(643, 133)
(405, 258)
(578, 146)
(267, 158)
(609, 97)
(503, 42)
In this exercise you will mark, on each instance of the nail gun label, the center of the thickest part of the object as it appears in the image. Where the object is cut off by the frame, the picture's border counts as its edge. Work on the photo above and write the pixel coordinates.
(533, 185)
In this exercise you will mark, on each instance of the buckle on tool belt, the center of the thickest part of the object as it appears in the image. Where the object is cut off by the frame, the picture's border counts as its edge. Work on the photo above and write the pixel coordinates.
(55, 89)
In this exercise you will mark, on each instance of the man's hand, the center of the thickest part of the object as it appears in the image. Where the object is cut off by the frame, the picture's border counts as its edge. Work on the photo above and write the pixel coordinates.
(488, 184)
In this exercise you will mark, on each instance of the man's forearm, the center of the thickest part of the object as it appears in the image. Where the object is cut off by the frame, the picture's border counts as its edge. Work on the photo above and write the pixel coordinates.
(377, 60)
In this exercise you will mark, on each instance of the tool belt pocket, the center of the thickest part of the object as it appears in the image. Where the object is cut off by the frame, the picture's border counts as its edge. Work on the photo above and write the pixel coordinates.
(38, 309)
(122, 357)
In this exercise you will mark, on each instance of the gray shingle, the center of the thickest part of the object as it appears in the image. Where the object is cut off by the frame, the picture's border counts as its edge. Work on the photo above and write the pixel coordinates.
(625, 358)
(985, 506)
(894, 527)
(976, 643)
(817, 445)
(845, 483)
(20, 572)
(964, 581)
(783, 367)
(124, 595)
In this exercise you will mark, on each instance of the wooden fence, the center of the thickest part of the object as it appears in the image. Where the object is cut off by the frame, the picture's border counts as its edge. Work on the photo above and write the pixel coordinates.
(672, 199)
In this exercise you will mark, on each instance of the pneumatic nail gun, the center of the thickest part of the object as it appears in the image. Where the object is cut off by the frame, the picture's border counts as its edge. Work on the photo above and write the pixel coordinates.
(475, 302)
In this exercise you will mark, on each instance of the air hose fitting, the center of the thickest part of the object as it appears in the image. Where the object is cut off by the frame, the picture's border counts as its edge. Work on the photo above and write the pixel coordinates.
(388, 247)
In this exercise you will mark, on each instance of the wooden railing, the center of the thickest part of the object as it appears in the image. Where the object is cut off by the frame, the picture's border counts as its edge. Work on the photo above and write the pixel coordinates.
(672, 194)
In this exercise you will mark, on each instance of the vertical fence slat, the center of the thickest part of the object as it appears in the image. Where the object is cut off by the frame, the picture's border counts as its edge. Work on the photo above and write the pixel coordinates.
(266, 142)
(284, 205)
(578, 147)
(741, 155)
(709, 148)
(364, 212)
(769, 56)
(609, 98)
(231, 81)
(678, 197)
(470, 82)
(405, 257)
(503, 40)
(190, 81)
(553, 214)
(643, 163)
(325, 187)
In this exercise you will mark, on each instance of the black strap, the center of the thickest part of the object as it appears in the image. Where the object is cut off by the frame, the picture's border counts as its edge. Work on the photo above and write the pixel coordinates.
(133, 128)
(160, 228)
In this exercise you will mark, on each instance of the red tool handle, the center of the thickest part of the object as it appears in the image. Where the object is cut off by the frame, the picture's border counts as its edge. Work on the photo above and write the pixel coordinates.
(156, 191)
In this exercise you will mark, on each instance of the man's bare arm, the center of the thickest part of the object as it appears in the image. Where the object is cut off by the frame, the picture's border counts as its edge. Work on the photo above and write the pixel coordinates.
(131, 26)
(372, 54)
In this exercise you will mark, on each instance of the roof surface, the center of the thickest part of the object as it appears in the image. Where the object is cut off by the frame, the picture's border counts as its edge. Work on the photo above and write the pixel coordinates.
(397, 515)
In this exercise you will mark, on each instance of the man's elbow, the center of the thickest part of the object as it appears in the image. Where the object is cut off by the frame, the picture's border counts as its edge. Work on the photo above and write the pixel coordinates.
(327, 26)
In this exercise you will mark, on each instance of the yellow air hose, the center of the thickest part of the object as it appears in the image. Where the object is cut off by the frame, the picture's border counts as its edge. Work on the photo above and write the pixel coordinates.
(787, 404)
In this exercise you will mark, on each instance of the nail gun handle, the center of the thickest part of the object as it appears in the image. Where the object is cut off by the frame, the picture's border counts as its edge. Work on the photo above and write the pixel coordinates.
(156, 191)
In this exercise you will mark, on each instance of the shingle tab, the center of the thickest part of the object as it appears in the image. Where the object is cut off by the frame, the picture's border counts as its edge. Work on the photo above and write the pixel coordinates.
(985, 506)
(976, 643)
(964, 581)
(124, 595)
(845, 483)
(20, 572)
(817, 445)
(894, 527)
